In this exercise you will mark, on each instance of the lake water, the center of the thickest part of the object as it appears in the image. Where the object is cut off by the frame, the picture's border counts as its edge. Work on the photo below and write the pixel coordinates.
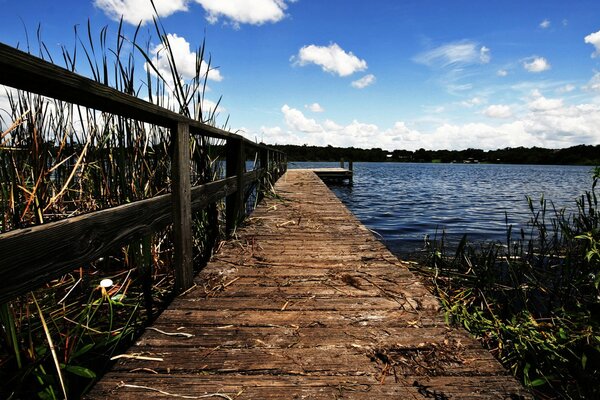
(404, 202)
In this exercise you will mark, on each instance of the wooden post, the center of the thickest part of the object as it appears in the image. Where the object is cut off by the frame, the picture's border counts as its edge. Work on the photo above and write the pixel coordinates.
(342, 163)
(264, 180)
(351, 165)
(234, 204)
(182, 207)
(145, 270)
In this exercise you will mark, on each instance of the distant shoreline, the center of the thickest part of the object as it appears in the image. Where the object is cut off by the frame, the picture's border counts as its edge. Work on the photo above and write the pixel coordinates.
(575, 155)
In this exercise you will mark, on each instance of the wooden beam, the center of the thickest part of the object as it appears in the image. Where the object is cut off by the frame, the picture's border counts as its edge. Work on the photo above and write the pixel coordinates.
(234, 168)
(182, 208)
(35, 255)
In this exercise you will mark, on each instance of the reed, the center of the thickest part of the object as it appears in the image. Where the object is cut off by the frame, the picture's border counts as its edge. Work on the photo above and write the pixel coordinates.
(59, 160)
(534, 301)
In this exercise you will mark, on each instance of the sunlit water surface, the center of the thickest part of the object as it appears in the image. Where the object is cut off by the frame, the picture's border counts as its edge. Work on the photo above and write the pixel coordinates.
(406, 202)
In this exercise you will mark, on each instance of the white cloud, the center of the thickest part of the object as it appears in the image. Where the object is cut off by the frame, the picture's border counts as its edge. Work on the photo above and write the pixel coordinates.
(6, 118)
(540, 121)
(498, 111)
(184, 58)
(332, 59)
(545, 24)
(254, 12)
(594, 40)
(463, 52)
(315, 107)
(296, 120)
(502, 72)
(484, 55)
(365, 81)
(541, 103)
(475, 101)
(566, 88)
(136, 11)
(594, 83)
(209, 107)
(536, 64)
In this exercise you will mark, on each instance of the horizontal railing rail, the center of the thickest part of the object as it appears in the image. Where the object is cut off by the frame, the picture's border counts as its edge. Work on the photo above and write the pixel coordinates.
(32, 256)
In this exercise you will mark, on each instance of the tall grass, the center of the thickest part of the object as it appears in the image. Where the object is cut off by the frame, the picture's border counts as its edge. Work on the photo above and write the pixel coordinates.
(534, 301)
(59, 160)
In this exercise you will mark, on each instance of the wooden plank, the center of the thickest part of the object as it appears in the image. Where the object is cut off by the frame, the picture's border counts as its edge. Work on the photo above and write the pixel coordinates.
(181, 200)
(303, 302)
(235, 164)
(64, 245)
(277, 387)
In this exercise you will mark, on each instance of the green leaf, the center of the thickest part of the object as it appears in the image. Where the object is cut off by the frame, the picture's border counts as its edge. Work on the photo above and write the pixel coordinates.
(583, 360)
(537, 382)
(80, 371)
(83, 350)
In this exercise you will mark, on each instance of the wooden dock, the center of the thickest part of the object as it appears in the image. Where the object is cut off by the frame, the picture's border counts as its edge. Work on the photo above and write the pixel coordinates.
(306, 304)
(334, 174)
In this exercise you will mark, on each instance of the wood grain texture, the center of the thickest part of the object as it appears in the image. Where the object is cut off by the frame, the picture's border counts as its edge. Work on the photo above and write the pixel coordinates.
(306, 303)
(35, 255)
(181, 206)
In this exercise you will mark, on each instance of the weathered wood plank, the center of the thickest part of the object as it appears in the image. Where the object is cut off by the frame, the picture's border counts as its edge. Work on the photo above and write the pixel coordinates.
(181, 203)
(234, 204)
(311, 387)
(307, 304)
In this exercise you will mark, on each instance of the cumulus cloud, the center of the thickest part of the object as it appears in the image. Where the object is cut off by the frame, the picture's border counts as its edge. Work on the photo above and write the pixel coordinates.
(136, 11)
(365, 81)
(542, 122)
(502, 72)
(315, 107)
(594, 40)
(332, 59)
(463, 52)
(545, 24)
(498, 111)
(541, 103)
(536, 64)
(184, 58)
(254, 12)
(296, 120)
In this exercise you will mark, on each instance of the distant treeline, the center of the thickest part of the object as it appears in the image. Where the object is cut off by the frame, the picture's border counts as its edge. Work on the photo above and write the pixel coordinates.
(577, 155)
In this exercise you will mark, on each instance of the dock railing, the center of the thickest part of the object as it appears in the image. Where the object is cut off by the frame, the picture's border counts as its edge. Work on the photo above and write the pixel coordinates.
(33, 256)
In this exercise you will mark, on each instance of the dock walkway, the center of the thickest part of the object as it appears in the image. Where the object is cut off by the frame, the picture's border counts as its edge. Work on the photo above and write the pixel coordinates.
(306, 304)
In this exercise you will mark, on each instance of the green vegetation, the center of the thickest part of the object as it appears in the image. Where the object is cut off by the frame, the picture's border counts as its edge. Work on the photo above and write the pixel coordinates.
(59, 160)
(533, 301)
(576, 155)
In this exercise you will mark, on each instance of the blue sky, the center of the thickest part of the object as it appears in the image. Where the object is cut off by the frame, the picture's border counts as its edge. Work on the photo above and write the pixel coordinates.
(396, 74)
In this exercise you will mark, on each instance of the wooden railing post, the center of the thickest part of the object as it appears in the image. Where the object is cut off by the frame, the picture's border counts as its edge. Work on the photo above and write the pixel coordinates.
(265, 179)
(182, 208)
(234, 204)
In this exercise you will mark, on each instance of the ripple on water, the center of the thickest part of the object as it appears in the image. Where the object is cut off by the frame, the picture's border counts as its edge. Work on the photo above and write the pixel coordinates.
(405, 202)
